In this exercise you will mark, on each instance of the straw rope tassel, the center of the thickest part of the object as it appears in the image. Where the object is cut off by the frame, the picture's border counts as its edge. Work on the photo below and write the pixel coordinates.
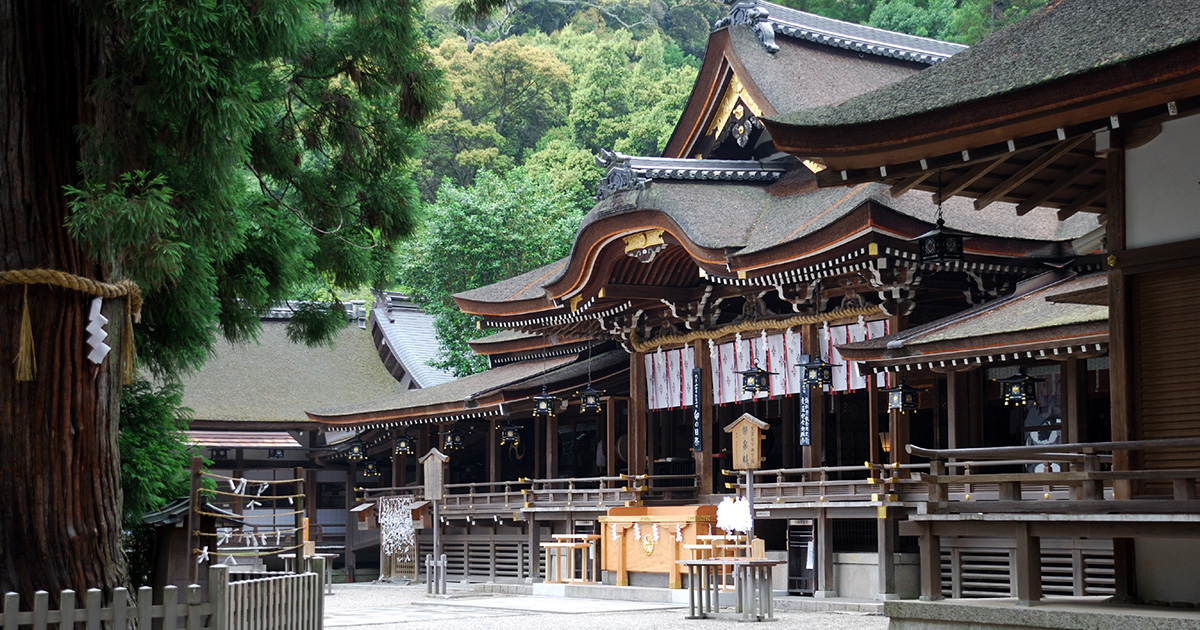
(26, 361)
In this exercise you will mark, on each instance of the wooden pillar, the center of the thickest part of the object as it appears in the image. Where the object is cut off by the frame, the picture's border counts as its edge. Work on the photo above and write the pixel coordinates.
(1124, 581)
(975, 397)
(931, 564)
(826, 587)
(704, 457)
(1074, 409)
(787, 414)
(1028, 566)
(539, 443)
(899, 435)
(957, 411)
(813, 453)
(351, 520)
(873, 420)
(886, 547)
(310, 501)
(493, 451)
(1120, 348)
(397, 468)
(636, 433)
(535, 549)
(552, 447)
(610, 437)
(653, 420)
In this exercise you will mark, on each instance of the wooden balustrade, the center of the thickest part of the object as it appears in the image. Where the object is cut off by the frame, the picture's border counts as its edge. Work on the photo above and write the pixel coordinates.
(1082, 484)
(801, 485)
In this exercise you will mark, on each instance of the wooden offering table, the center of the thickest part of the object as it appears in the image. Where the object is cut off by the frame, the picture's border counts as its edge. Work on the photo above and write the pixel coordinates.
(753, 599)
(569, 545)
(653, 539)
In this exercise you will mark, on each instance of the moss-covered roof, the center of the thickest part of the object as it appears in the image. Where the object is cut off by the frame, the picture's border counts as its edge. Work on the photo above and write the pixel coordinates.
(276, 380)
(1064, 39)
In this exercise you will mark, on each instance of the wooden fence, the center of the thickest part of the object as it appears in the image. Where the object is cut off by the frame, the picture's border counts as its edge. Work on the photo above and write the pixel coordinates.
(284, 602)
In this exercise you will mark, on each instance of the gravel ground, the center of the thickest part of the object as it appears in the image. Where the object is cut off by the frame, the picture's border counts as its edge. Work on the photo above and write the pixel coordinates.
(384, 607)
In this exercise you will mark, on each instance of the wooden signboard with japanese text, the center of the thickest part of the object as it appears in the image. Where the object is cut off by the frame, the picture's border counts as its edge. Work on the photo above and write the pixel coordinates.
(747, 436)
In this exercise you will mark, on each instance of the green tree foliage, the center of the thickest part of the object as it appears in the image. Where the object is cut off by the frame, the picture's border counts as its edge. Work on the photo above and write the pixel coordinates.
(254, 147)
(500, 226)
(930, 18)
(155, 452)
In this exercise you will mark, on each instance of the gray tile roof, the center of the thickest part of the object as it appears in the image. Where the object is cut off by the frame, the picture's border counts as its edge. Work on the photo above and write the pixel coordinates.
(276, 380)
(410, 338)
(1016, 317)
(744, 218)
(457, 392)
(856, 37)
(1064, 39)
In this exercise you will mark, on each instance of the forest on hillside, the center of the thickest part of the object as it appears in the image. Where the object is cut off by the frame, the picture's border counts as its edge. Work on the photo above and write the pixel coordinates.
(536, 89)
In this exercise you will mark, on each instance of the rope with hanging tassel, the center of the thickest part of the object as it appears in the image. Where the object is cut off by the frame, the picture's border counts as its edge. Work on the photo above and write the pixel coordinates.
(26, 364)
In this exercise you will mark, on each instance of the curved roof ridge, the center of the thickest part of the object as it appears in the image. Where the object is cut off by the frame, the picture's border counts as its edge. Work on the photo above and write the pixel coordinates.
(857, 37)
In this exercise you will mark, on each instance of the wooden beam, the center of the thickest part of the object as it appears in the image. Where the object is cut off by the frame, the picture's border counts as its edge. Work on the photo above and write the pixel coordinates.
(1029, 170)
(1070, 177)
(907, 184)
(1082, 202)
(972, 176)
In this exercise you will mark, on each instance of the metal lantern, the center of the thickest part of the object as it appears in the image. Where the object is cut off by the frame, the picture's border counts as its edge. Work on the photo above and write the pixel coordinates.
(405, 445)
(543, 404)
(452, 440)
(370, 469)
(940, 244)
(817, 373)
(589, 399)
(902, 397)
(756, 380)
(510, 435)
(1019, 389)
(357, 452)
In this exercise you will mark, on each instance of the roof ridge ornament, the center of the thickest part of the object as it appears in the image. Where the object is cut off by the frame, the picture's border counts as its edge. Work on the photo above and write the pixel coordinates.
(619, 175)
(748, 12)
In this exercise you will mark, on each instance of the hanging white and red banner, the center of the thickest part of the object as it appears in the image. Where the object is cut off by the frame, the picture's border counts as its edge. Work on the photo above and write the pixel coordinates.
(847, 375)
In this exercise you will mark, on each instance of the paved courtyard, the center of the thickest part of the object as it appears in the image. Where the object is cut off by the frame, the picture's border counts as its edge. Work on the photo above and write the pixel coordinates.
(383, 606)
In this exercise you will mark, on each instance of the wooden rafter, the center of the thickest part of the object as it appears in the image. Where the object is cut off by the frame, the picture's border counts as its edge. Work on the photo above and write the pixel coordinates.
(1031, 169)
(1082, 202)
(970, 177)
(1086, 166)
(905, 185)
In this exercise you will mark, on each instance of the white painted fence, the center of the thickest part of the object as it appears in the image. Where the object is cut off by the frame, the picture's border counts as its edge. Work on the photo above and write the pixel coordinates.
(285, 602)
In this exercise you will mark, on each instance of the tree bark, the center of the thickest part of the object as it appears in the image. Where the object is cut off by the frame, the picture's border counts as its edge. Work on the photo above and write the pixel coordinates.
(60, 492)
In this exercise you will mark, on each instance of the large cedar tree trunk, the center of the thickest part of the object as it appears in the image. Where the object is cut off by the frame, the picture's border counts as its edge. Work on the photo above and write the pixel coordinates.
(60, 492)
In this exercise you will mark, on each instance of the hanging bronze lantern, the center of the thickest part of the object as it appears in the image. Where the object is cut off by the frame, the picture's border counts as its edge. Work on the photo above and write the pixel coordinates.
(902, 398)
(589, 399)
(543, 404)
(357, 452)
(370, 469)
(817, 373)
(452, 440)
(510, 435)
(405, 445)
(756, 380)
(1019, 389)
(941, 244)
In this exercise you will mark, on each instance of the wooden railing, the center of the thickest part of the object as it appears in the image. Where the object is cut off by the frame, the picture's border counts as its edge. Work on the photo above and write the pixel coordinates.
(802, 485)
(291, 601)
(1083, 484)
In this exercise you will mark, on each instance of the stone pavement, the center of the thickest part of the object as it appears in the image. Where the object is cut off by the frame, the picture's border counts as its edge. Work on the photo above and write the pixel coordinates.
(392, 607)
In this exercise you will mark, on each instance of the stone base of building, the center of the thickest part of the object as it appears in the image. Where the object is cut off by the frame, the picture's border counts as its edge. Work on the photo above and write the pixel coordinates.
(1075, 613)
